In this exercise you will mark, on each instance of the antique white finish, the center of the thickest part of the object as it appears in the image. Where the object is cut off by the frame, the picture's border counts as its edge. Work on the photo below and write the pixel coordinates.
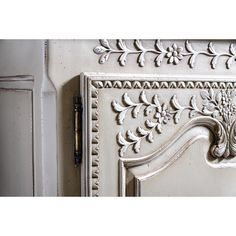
(158, 117)
(16, 144)
(28, 120)
(69, 58)
(173, 53)
(185, 93)
(216, 106)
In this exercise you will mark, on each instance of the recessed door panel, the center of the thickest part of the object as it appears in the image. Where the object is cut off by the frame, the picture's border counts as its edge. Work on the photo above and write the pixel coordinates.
(16, 140)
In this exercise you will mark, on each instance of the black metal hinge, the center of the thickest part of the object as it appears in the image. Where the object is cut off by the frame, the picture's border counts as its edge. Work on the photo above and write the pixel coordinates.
(77, 130)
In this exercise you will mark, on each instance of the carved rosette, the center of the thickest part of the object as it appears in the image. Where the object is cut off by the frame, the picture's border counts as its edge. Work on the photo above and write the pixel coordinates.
(219, 106)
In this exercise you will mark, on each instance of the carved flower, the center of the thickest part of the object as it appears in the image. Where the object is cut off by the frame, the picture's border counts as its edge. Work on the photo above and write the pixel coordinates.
(162, 114)
(174, 54)
(227, 108)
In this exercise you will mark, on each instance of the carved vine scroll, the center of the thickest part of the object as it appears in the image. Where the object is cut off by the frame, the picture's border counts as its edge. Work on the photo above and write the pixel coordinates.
(218, 105)
(174, 53)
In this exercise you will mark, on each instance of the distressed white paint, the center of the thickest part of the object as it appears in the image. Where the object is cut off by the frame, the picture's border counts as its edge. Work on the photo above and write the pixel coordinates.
(156, 157)
(57, 80)
(27, 57)
(16, 143)
(69, 58)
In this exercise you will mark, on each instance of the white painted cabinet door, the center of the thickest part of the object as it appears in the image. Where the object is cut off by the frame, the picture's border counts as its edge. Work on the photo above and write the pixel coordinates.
(170, 132)
(158, 117)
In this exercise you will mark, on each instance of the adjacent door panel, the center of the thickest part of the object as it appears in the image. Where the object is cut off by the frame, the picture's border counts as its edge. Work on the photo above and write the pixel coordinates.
(16, 140)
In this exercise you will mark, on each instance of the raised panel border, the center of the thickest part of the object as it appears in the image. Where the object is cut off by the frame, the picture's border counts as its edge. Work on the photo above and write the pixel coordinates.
(92, 82)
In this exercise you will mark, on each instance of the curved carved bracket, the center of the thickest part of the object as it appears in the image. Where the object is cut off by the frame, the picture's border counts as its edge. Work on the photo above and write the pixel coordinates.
(173, 53)
(217, 149)
(165, 156)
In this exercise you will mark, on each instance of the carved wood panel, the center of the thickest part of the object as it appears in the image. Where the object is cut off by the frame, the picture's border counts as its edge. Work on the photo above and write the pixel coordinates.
(173, 53)
(136, 126)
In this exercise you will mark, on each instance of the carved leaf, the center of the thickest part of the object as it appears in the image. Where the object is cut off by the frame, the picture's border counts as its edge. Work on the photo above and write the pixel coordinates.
(143, 98)
(121, 44)
(139, 45)
(104, 57)
(121, 117)
(99, 50)
(204, 94)
(142, 131)
(211, 107)
(192, 59)
(174, 102)
(211, 93)
(189, 47)
(193, 103)
(206, 111)
(122, 150)
(105, 43)
(121, 140)
(164, 106)
(159, 59)
(150, 124)
(117, 107)
(122, 58)
(159, 46)
(137, 146)
(218, 96)
(150, 137)
(205, 102)
(214, 62)
(132, 136)
(229, 62)
(136, 110)
(211, 48)
(127, 100)
(232, 49)
(177, 116)
(156, 101)
(141, 59)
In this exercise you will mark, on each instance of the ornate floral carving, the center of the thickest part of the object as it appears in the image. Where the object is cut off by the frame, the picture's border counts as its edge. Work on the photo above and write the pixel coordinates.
(218, 105)
(174, 53)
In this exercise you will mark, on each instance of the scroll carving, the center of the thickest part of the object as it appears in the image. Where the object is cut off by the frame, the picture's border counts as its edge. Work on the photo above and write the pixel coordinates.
(213, 108)
(218, 105)
(173, 53)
